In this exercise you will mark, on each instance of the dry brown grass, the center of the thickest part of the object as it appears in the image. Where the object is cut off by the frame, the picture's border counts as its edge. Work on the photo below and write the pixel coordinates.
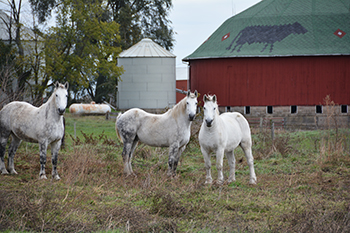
(303, 186)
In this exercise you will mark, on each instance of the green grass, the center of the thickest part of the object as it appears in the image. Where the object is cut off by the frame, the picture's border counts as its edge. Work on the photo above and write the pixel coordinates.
(303, 186)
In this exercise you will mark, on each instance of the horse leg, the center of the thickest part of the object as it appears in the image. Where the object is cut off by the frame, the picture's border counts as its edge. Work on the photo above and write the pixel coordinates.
(55, 147)
(232, 163)
(247, 148)
(173, 160)
(219, 164)
(3, 142)
(133, 147)
(15, 142)
(126, 157)
(43, 149)
(207, 162)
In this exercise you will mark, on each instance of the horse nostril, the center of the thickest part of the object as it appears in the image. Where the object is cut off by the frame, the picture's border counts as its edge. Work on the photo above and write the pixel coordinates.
(61, 111)
(191, 117)
(209, 122)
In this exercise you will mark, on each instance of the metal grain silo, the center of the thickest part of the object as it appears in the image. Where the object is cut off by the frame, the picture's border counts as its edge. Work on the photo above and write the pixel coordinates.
(149, 80)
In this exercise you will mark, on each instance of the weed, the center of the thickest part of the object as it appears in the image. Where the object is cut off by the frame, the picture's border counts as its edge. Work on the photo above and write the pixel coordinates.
(303, 186)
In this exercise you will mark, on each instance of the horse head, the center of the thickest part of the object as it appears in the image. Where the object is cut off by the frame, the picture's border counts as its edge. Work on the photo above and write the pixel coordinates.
(210, 109)
(61, 97)
(191, 104)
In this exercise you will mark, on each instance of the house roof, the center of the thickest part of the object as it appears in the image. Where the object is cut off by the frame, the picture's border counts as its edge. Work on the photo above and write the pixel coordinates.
(146, 48)
(282, 28)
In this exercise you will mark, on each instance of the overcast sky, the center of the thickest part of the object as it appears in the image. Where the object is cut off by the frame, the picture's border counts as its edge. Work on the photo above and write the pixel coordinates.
(195, 20)
(192, 20)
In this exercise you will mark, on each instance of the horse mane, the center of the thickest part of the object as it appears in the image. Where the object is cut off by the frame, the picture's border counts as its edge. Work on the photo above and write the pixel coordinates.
(178, 108)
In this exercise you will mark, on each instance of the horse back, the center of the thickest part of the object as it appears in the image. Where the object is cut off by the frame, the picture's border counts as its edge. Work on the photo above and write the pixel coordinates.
(235, 119)
(29, 123)
(151, 129)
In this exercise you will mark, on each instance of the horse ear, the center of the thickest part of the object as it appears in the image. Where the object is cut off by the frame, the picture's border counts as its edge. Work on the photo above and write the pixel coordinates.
(188, 93)
(214, 98)
(196, 93)
(66, 85)
(205, 98)
(57, 84)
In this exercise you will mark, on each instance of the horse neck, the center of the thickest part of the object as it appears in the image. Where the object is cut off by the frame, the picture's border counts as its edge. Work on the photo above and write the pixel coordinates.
(179, 111)
(50, 109)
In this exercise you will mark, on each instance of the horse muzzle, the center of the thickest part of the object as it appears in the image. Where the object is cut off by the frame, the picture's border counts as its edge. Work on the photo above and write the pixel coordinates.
(209, 123)
(191, 117)
(61, 111)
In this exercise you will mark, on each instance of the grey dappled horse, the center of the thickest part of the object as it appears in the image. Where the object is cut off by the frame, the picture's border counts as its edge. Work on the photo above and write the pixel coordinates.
(171, 129)
(43, 125)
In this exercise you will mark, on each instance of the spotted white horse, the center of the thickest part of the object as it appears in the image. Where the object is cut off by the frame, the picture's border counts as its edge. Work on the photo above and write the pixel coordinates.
(43, 125)
(221, 134)
(171, 129)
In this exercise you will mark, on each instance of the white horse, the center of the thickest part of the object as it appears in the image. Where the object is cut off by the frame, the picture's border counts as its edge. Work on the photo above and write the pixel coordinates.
(43, 125)
(171, 129)
(222, 134)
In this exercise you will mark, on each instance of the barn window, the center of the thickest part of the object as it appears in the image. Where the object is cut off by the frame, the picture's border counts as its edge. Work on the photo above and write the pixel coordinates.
(344, 109)
(293, 109)
(228, 109)
(247, 110)
(318, 108)
(269, 109)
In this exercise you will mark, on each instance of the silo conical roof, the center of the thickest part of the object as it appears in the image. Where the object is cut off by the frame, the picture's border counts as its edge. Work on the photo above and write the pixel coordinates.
(146, 48)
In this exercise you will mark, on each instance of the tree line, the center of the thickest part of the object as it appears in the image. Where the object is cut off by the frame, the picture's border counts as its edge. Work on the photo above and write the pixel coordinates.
(81, 48)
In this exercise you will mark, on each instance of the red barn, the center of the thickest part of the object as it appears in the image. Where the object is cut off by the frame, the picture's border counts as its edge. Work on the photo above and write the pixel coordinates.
(278, 53)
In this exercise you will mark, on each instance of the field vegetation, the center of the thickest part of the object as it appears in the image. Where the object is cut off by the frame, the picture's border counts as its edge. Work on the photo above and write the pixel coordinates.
(303, 186)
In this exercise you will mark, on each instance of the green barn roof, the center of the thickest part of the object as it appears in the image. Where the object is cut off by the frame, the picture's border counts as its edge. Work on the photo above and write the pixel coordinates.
(282, 28)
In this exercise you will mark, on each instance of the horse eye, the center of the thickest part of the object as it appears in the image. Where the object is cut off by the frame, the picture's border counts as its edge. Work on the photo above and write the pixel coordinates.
(214, 108)
(204, 108)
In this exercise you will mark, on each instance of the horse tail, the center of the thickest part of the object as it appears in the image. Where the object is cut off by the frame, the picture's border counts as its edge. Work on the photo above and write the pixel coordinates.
(116, 128)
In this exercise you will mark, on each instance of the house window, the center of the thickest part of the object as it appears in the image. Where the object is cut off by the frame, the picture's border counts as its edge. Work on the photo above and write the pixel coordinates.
(247, 110)
(318, 108)
(269, 109)
(293, 109)
(344, 109)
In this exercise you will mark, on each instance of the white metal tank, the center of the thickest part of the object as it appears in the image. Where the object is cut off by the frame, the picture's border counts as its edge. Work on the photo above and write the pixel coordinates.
(91, 108)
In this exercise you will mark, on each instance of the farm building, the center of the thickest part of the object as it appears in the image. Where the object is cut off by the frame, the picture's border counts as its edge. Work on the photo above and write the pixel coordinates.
(278, 58)
(181, 82)
(149, 78)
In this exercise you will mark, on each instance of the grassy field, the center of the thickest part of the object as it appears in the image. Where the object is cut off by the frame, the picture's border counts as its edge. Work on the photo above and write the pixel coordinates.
(303, 186)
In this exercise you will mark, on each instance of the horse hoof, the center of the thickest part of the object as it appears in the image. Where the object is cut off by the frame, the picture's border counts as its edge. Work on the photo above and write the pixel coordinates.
(43, 177)
(253, 181)
(130, 175)
(56, 177)
(13, 172)
(208, 182)
(4, 172)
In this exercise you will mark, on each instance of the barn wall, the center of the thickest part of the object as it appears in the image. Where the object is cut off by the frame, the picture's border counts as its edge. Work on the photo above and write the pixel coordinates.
(182, 85)
(279, 81)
